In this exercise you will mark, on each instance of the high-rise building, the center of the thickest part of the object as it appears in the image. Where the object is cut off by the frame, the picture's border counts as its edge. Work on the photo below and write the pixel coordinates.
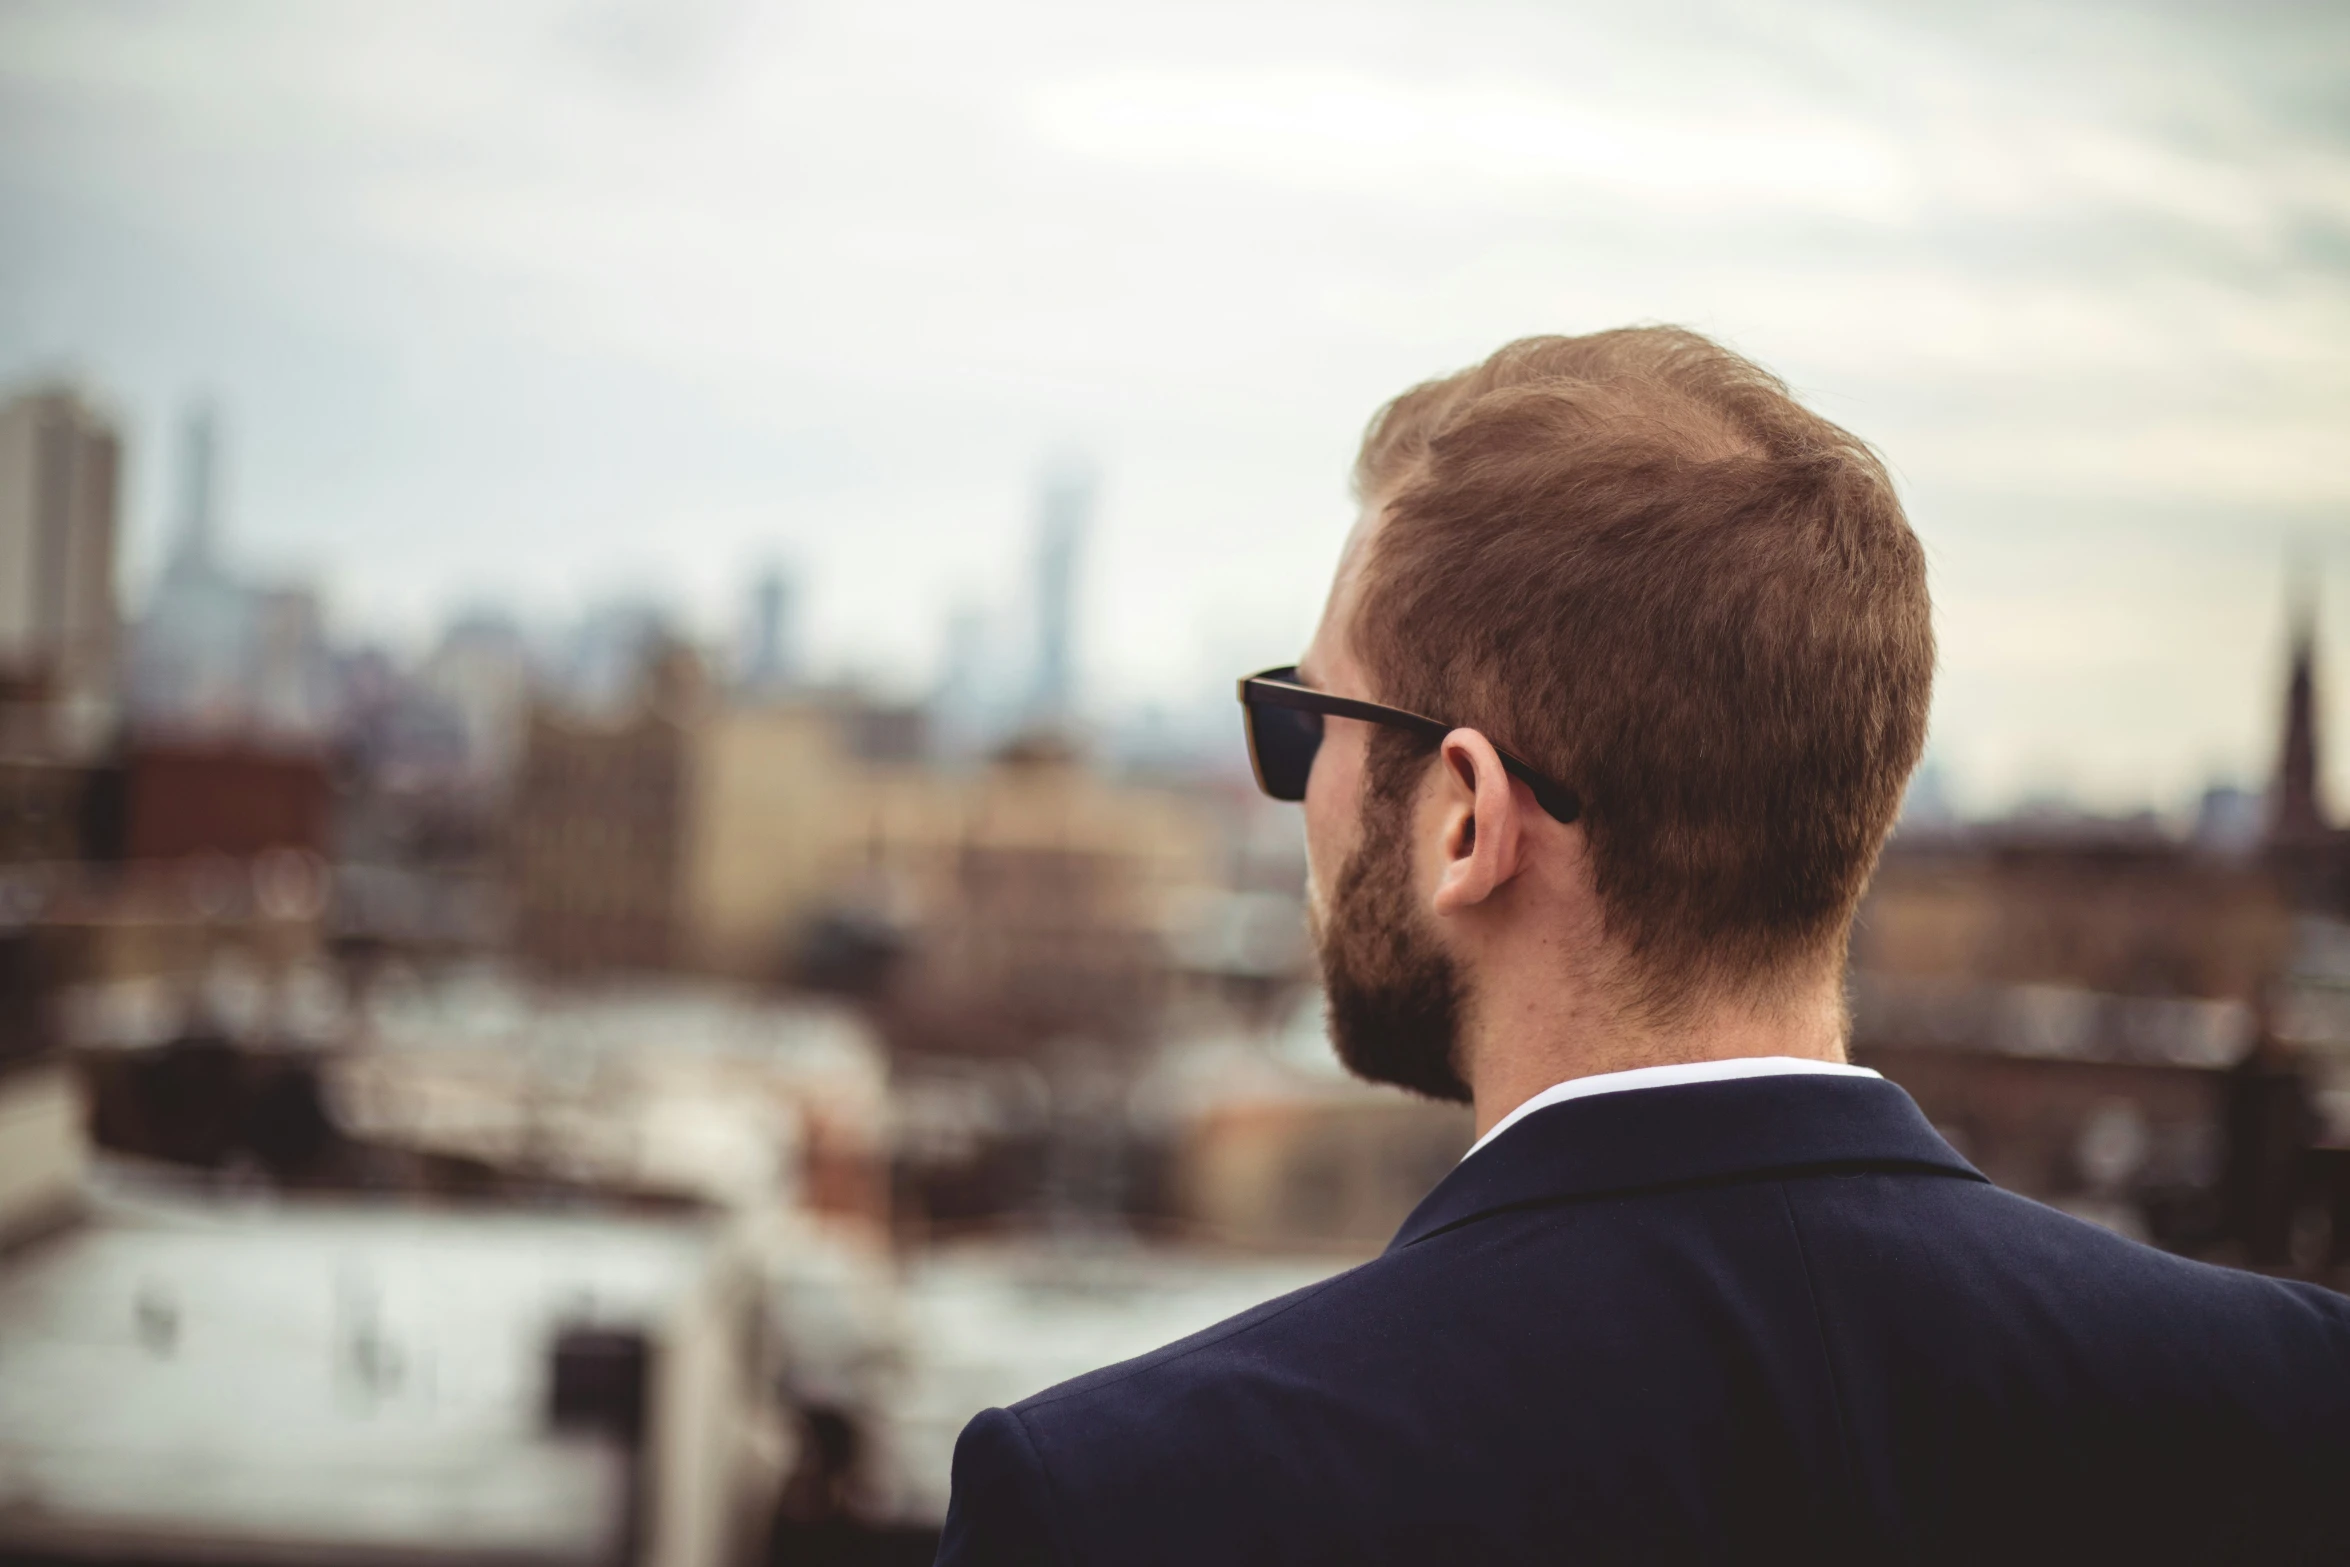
(1068, 500)
(480, 672)
(218, 657)
(289, 674)
(601, 661)
(771, 657)
(194, 549)
(193, 645)
(59, 466)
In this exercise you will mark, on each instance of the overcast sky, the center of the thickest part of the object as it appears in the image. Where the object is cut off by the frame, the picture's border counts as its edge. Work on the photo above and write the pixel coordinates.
(536, 304)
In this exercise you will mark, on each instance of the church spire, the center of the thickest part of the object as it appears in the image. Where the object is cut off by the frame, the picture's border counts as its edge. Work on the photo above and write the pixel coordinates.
(2297, 808)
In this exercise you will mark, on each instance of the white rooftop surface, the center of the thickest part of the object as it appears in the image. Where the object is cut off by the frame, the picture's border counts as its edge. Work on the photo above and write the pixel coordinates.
(990, 1324)
(187, 1380)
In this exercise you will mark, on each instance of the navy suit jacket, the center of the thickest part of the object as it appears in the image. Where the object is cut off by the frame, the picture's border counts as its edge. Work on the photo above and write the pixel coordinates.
(1769, 1320)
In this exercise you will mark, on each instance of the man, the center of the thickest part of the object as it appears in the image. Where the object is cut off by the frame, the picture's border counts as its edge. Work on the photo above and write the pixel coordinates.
(1612, 707)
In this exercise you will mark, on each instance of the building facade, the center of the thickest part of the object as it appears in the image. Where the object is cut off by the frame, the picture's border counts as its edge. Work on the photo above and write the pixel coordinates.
(1025, 899)
(60, 463)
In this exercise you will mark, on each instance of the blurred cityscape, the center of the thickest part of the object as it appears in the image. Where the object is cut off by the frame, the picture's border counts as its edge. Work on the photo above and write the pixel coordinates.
(600, 1098)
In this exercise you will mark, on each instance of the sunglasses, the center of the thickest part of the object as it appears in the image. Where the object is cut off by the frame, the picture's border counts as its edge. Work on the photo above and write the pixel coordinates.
(1285, 730)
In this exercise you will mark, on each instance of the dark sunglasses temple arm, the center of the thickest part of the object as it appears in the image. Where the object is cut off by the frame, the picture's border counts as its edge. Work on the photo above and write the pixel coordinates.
(1560, 801)
(1278, 688)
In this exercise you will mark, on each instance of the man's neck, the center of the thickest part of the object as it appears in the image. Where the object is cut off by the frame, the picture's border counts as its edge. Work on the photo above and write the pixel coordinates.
(1515, 1052)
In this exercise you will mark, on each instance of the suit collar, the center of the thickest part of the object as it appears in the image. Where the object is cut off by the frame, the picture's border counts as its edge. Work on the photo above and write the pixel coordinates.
(1694, 1132)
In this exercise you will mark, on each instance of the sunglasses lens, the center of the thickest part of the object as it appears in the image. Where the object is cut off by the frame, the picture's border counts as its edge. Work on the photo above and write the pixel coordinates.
(1281, 743)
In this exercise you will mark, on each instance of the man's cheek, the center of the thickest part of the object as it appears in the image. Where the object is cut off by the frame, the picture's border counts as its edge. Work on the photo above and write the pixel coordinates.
(1323, 857)
(1316, 899)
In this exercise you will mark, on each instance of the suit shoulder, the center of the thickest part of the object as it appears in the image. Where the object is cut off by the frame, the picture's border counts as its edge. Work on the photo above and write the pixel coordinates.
(1968, 1238)
(1001, 1511)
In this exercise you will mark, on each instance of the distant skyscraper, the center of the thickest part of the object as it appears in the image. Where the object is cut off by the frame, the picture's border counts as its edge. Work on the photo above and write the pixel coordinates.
(771, 657)
(1067, 505)
(605, 660)
(2230, 821)
(961, 701)
(189, 661)
(480, 672)
(288, 682)
(59, 462)
(2297, 809)
(216, 656)
(193, 546)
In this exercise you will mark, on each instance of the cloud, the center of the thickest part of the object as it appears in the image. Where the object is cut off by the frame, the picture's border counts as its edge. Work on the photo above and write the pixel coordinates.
(1446, 144)
(543, 297)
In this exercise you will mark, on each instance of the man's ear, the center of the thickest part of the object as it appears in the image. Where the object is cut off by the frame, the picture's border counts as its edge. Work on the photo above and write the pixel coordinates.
(1483, 823)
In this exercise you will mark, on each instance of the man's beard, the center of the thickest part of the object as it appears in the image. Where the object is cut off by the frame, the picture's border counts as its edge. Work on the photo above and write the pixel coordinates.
(1395, 994)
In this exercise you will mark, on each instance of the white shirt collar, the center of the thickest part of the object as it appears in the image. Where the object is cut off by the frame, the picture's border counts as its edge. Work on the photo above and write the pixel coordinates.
(1670, 1076)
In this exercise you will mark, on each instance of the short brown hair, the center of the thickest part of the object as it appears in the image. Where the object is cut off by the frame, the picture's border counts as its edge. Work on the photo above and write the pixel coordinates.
(1663, 581)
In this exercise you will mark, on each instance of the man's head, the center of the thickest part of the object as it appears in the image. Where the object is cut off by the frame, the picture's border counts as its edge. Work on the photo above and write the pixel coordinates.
(1633, 560)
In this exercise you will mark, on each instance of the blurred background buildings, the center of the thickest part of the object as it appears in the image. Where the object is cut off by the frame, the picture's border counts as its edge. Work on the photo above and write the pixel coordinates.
(783, 1071)
(616, 909)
